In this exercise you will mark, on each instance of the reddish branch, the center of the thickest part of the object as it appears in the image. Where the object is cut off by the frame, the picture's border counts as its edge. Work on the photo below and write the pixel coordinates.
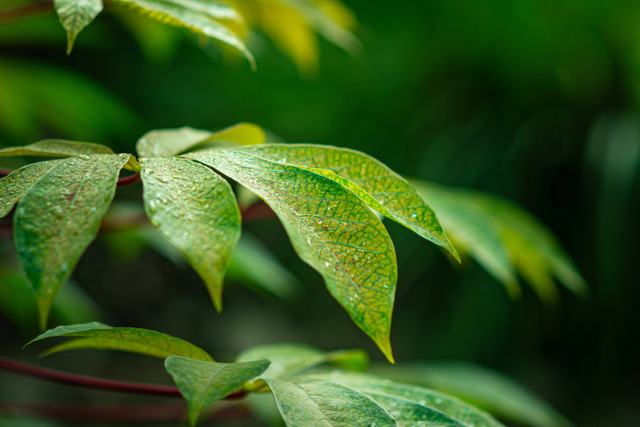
(25, 11)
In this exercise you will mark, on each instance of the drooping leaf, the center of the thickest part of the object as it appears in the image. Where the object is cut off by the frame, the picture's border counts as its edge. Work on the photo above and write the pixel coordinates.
(59, 217)
(170, 142)
(495, 392)
(309, 402)
(75, 15)
(331, 229)
(410, 404)
(191, 18)
(376, 184)
(202, 383)
(196, 210)
(18, 182)
(56, 148)
(135, 340)
(488, 226)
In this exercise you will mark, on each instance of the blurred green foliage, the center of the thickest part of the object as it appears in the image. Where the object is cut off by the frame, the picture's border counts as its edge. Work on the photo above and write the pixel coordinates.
(535, 101)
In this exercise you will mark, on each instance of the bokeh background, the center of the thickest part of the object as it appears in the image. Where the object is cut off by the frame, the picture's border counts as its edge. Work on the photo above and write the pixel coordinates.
(536, 101)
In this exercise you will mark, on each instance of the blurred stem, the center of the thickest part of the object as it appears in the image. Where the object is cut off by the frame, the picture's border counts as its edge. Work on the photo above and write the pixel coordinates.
(25, 11)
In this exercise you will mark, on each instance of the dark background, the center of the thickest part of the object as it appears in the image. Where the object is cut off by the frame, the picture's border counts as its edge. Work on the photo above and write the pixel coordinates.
(536, 101)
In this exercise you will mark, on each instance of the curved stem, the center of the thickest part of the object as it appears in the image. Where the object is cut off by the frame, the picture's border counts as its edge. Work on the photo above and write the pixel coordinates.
(25, 11)
(129, 180)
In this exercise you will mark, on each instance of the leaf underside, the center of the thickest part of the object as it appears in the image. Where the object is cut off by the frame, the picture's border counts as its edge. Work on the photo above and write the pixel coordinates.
(75, 15)
(331, 229)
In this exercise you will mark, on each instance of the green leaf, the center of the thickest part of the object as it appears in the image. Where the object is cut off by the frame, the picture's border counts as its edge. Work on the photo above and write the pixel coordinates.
(195, 209)
(75, 15)
(142, 341)
(331, 229)
(59, 217)
(56, 148)
(376, 184)
(18, 182)
(488, 226)
(309, 402)
(410, 404)
(170, 142)
(191, 18)
(202, 383)
(486, 388)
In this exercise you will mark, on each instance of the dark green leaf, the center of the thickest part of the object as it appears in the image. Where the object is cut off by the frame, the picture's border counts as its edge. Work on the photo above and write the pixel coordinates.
(195, 209)
(18, 182)
(75, 15)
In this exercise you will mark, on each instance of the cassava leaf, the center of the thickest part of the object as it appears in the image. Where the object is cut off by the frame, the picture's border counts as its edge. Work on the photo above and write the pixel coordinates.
(376, 184)
(170, 142)
(202, 383)
(195, 209)
(59, 217)
(142, 341)
(182, 15)
(310, 402)
(18, 182)
(56, 148)
(331, 229)
(75, 15)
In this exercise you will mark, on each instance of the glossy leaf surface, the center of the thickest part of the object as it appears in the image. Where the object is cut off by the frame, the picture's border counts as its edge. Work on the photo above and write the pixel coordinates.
(376, 184)
(18, 182)
(135, 340)
(202, 383)
(59, 217)
(331, 229)
(195, 209)
(75, 15)
(56, 148)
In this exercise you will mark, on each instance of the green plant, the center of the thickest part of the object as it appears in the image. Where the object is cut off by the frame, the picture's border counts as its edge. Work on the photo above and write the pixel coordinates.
(328, 200)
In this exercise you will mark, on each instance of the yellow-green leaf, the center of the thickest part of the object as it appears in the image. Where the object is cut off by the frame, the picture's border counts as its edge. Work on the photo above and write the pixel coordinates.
(195, 209)
(376, 184)
(56, 148)
(75, 15)
(142, 341)
(202, 383)
(59, 217)
(331, 229)
(18, 182)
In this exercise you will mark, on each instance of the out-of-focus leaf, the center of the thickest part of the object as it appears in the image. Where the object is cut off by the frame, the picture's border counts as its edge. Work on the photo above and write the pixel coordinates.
(331, 229)
(170, 142)
(503, 238)
(196, 210)
(56, 148)
(59, 217)
(376, 184)
(18, 182)
(75, 15)
(252, 263)
(198, 16)
(410, 404)
(202, 383)
(495, 392)
(142, 341)
(309, 402)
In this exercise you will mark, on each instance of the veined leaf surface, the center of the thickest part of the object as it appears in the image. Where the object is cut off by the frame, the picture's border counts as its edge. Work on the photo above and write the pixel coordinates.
(56, 148)
(75, 15)
(18, 182)
(170, 13)
(135, 340)
(376, 184)
(202, 383)
(331, 229)
(195, 209)
(309, 402)
(59, 217)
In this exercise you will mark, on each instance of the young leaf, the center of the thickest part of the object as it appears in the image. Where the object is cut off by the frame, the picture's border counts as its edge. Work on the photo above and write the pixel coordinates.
(376, 184)
(310, 402)
(202, 383)
(59, 217)
(176, 14)
(195, 209)
(331, 229)
(170, 142)
(18, 182)
(142, 341)
(56, 148)
(75, 15)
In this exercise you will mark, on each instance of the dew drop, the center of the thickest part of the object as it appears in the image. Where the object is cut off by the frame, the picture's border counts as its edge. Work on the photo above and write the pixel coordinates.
(310, 241)
(327, 264)
(438, 401)
(422, 402)
(414, 215)
(148, 171)
(186, 235)
(153, 206)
